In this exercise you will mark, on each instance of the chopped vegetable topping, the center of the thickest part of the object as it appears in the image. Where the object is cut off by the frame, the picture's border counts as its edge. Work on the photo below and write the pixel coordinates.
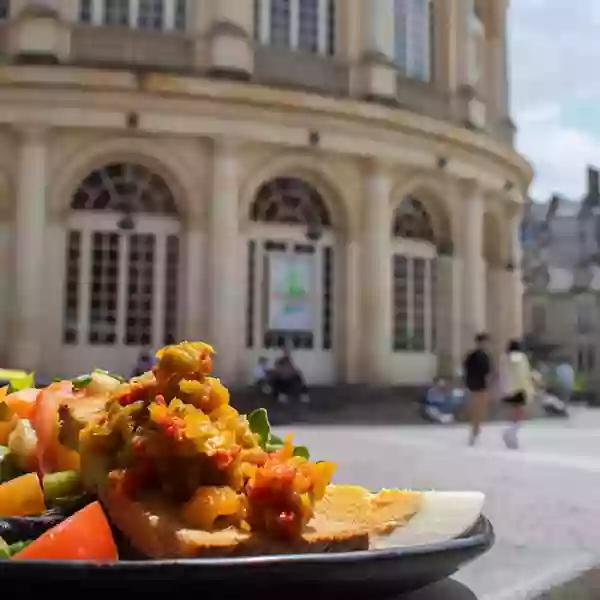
(173, 432)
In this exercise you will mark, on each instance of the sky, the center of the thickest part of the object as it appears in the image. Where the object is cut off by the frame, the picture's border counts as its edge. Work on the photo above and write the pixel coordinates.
(555, 89)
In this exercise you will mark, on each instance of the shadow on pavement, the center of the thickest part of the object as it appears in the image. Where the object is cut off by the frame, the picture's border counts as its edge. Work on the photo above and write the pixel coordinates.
(445, 590)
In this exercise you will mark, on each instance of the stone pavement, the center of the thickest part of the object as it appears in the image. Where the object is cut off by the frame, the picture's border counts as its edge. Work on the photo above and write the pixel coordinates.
(544, 500)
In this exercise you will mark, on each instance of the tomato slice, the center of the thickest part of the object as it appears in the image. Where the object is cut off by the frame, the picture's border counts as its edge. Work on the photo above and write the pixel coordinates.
(51, 455)
(84, 536)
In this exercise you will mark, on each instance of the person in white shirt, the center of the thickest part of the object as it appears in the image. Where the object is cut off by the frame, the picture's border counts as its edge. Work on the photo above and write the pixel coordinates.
(517, 387)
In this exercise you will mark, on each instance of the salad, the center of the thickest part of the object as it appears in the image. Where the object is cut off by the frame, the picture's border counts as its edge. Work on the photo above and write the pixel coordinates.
(162, 466)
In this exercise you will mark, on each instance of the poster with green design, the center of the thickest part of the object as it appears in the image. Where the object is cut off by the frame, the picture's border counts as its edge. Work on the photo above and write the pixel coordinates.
(291, 278)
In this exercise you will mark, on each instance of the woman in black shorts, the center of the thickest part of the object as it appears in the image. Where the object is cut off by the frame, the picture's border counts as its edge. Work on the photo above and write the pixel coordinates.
(517, 386)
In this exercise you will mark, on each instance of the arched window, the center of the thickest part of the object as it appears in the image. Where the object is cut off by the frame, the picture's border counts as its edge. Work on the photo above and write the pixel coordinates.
(412, 221)
(414, 272)
(144, 14)
(121, 283)
(413, 38)
(125, 187)
(307, 25)
(290, 201)
(294, 268)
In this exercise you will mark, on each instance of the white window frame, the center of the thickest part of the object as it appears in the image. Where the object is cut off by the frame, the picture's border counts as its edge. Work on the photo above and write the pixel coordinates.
(169, 22)
(263, 35)
(413, 250)
(409, 66)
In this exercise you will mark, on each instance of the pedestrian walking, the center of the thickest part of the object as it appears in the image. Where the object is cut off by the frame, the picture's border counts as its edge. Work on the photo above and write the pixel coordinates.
(565, 375)
(517, 385)
(477, 369)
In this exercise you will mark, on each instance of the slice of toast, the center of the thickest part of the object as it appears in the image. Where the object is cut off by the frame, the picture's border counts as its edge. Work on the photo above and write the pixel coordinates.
(154, 530)
(343, 521)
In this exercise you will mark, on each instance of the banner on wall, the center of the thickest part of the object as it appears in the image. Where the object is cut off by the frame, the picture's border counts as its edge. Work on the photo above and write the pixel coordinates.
(291, 280)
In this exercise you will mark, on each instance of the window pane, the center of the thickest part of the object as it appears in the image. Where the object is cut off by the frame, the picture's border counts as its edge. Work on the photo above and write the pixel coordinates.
(104, 282)
(85, 11)
(280, 23)
(71, 295)
(250, 291)
(181, 15)
(419, 304)
(331, 29)
(151, 14)
(434, 304)
(400, 303)
(256, 9)
(308, 37)
(140, 292)
(400, 33)
(419, 39)
(116, 12)
(328, 300)
(171, 290)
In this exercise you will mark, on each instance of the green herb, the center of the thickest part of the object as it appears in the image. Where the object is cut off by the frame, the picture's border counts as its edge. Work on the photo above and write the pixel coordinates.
(4, 549)
(56, 380)
(8, 550)
(17, 547)
(81, 382)
(21, 383)
(274, 443)
(302, 451)
(113, 375)
(259, 424)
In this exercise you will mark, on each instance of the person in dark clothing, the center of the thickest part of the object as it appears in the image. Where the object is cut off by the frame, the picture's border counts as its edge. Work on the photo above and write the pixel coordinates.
(287, 380)
(477, 368)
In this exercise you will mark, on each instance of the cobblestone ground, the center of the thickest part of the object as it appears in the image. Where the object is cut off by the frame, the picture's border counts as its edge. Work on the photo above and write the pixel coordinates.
(544, 500)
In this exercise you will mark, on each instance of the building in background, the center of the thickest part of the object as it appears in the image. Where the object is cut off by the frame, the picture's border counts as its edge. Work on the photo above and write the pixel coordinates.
(562, 273)
(337, 176)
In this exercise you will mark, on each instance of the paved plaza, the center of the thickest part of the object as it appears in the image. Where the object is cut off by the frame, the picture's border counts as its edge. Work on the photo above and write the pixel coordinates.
(544, 500)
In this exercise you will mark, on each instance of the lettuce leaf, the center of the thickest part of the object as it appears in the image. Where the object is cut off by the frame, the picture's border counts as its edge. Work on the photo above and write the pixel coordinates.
(259, 424)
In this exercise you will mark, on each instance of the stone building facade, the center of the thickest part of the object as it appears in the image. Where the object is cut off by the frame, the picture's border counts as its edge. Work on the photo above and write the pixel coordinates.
(561, 248)
(337, 176)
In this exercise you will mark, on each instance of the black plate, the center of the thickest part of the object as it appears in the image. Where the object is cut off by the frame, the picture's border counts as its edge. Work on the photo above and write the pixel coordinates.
(380, 572)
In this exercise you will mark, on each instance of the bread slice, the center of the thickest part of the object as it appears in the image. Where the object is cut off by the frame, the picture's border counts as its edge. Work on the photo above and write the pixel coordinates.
(343, 521)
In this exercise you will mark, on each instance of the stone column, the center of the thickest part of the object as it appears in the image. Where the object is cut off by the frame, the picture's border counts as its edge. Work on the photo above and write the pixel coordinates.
(30, 221)
(474, 268)
(194, 312)
(223, 284)
(446, 43)
(231, 39)
(497, 58)
(448, 315)
(375, 288)
(351, 291)
(378, 70)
